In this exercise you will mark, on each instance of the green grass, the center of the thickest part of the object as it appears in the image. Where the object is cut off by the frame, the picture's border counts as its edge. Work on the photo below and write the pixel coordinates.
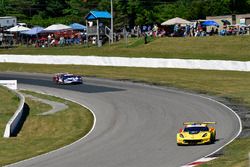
(10, 101)
(229, 84)
(233, 85)
(215, 48)
(236, 155)
(41, 134)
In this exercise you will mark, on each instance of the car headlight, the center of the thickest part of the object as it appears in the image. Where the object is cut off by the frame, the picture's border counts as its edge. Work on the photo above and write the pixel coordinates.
(204, 135)
(181, 135)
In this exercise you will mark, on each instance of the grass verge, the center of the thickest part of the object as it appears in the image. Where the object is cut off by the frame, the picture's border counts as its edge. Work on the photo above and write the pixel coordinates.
(10, 101)
(213, 48)
(235, 155)
(41, 134)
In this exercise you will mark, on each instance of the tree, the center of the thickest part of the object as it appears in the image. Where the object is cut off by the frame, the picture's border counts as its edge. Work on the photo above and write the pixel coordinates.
(126, 12)
(239, 6)
(20, 9)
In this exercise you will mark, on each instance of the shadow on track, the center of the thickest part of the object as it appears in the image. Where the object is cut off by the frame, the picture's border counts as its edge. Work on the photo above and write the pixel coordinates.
(87, 88)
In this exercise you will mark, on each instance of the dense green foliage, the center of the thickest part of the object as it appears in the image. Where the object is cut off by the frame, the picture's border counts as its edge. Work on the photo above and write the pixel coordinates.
(126, 12)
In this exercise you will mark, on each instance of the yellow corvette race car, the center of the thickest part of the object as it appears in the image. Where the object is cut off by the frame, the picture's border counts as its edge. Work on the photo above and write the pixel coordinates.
(196, 133)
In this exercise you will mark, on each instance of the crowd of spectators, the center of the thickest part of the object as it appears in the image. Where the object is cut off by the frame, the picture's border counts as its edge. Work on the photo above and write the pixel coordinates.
(188, 30)
(70, 37)
(234, 30)
(45, 39)
(57, 39)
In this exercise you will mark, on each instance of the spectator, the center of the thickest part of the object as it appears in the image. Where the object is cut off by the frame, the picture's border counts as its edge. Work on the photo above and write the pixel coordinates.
(187, 30)
(176, 28)
(149, 28)
(145, 38)
(138, 31)
(61, 41)
(144, 28)
(53, 42)
(216, 31)
(1, 38)
(49, 39)
(192, 31)
(155, 30)
(212, 32)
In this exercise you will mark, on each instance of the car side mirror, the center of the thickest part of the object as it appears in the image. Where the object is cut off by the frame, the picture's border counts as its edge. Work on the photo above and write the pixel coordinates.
(180, 130)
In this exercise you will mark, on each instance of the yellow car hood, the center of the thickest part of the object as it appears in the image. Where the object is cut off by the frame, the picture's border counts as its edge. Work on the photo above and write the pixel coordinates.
(199, 135)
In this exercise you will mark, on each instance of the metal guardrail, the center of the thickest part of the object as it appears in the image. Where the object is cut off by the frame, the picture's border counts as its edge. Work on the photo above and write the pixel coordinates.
(14, 123)
(108, 32)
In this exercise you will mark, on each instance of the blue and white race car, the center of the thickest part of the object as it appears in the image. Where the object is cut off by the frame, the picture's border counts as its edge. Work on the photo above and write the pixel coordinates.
(66, 78)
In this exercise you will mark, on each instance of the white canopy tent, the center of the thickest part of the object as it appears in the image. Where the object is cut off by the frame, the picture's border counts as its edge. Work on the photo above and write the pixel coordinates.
(18, 28)
(176, 20)
(57, 27)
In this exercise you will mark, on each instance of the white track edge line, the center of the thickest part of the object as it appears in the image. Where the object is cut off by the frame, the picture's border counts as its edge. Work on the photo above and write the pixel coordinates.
(64, 147)
(176, 91)
(240, 123)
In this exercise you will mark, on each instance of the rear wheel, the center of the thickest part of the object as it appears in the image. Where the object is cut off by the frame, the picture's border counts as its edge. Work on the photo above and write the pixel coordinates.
(213, 137)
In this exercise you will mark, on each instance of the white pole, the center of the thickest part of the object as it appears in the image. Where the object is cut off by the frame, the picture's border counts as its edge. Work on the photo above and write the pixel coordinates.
(98, 33)
(112, 24)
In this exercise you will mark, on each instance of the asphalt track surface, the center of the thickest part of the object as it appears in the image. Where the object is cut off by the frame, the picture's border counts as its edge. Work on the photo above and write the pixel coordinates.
(136, 124)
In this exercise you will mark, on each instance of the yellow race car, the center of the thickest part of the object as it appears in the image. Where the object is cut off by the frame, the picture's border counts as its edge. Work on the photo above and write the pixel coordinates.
(196, 133)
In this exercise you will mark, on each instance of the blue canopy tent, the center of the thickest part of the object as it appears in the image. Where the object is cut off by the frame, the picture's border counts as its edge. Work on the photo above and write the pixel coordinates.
(209, 23)
(77, 26)
(33, 31)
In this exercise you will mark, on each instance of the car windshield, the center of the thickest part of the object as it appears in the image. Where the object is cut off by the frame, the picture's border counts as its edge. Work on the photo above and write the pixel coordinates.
(196, 129)
(68, 76)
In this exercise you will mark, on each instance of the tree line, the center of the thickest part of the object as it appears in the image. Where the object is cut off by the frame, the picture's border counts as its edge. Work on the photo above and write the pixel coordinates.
(126, 12)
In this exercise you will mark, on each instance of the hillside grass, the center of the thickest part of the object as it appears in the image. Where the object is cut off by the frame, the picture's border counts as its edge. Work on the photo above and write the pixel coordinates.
(41, 134)
(208, 48)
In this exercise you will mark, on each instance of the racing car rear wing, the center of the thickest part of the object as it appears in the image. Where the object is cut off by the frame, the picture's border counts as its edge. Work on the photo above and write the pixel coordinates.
(198, 123)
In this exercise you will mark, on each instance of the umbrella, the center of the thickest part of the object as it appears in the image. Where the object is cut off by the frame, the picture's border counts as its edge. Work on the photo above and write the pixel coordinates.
(176, 20)
(56, 27)
(226, 22)
(18, 29)
(209, 23)
(33, 31)
(77, 26)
